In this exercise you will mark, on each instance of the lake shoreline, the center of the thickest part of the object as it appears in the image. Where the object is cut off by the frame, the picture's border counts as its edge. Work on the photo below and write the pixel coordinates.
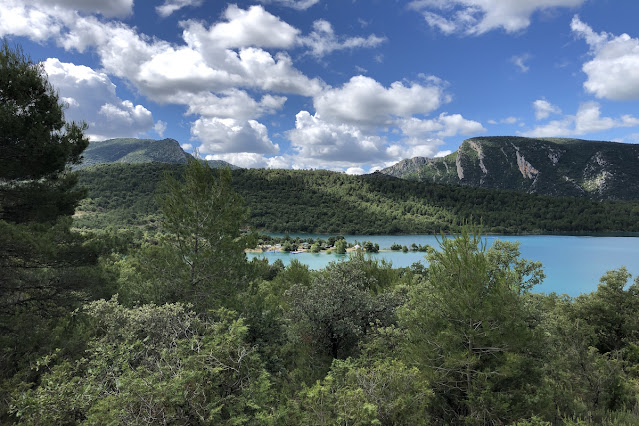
(573, 264)
(304, 235)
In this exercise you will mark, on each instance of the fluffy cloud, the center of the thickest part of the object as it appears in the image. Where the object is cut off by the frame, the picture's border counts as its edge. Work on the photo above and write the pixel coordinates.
(41, 20)
(295, 4)
(543, 109)
(343, 144)
(227, 135)
(443, 153)
(418, 148)
(320, 143)
(365, 102)
(355, 171)
(249, 67)
(27, 22)
(277, 74)
(169, 6)
(251, 160)
(159, 69)
(108, 8)
(243, 28)
(232, 103)
(473, 17)
(91, 97)
(443, 126)
(120, 48)
(176, 71)
(365, 122)
(160, 128)
(587, 120)
(613, 72)
(323, 40)
(172, 72)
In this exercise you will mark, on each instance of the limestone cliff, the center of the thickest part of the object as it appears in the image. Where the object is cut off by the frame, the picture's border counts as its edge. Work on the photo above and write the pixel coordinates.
(560, 167)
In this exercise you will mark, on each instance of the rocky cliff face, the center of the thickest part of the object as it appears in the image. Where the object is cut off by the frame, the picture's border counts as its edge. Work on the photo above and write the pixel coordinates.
(559, 167)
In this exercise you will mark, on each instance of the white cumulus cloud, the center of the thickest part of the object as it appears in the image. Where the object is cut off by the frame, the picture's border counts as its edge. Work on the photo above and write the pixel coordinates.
(91, 97)
(344, 144)
(159, 69)
(170, 6)
(323, 40)
(443, 153)
(160, 128)
(587, 120)
(19, 20)
(250, 160)
(474, 17)
(227, 135)
(613, 71)
(232, 103)
(365, 102)
(108, 8)
(443, 126)
(363, 122)
(543, 109)
(321, 143)
(355, 171)
(251, 27)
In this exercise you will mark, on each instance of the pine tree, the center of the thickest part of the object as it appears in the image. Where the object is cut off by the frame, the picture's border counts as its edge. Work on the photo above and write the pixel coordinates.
(468, 330)
(36, 144)
(45, 268)
(201, 258)
(37, 195)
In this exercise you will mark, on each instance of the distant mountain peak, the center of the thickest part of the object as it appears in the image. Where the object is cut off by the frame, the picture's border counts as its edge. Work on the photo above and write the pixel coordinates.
(133, 150)
(552, 166)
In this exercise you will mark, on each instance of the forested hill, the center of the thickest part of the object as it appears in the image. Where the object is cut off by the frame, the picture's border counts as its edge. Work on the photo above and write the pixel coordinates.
(328, 202)
(131, 150)
(558, 167)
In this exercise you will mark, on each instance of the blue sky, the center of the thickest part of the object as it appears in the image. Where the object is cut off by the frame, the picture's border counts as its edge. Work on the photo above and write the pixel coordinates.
(345, 85)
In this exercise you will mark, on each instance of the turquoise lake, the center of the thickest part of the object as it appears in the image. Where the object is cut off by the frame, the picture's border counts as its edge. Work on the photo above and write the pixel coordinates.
(572, 264)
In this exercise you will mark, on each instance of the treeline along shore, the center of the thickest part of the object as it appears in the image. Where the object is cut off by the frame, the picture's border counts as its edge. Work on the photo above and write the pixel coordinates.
(334, 203)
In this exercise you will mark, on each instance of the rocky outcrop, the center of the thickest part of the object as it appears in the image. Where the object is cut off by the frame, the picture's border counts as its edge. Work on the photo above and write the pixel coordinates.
(527, 170)
(460, 169)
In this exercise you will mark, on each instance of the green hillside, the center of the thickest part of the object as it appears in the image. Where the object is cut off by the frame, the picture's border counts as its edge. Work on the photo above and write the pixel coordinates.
(328, 202)
(551, 166)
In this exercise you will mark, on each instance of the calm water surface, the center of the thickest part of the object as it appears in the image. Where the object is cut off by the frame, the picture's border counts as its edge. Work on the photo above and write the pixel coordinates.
(573, 265)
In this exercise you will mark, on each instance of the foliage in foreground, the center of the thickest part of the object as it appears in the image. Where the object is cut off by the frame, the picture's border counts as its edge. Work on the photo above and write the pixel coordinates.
(150, 365)
(463, 341)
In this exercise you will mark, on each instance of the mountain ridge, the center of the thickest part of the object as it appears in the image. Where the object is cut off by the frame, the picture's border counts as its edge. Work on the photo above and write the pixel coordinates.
(597, 170)
(134, 151)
